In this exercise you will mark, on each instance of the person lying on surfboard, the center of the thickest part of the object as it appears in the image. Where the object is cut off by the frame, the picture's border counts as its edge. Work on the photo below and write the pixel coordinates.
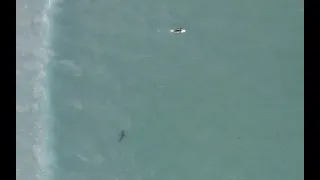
(177, 30)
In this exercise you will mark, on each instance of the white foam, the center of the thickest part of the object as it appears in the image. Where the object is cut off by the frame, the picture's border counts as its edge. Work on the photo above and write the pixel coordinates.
(32, 104)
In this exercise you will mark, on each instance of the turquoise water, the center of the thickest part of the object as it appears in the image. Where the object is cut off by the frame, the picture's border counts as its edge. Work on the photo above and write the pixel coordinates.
(224, 101)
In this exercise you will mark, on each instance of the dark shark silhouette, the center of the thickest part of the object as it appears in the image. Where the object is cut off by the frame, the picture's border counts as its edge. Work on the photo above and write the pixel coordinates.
(121, 135)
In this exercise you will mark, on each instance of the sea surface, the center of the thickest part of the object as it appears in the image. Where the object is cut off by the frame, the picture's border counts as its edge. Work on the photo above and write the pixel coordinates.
(223, 101)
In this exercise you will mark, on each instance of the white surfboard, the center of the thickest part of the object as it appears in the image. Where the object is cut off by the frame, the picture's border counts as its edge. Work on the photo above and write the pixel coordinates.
(182, 31)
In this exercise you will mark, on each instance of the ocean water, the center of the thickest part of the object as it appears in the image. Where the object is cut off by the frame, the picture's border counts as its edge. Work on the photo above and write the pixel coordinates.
(34, 153)
(223, 101)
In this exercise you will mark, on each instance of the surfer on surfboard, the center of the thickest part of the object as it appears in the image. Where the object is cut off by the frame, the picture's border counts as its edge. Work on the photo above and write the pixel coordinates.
(177, 30)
